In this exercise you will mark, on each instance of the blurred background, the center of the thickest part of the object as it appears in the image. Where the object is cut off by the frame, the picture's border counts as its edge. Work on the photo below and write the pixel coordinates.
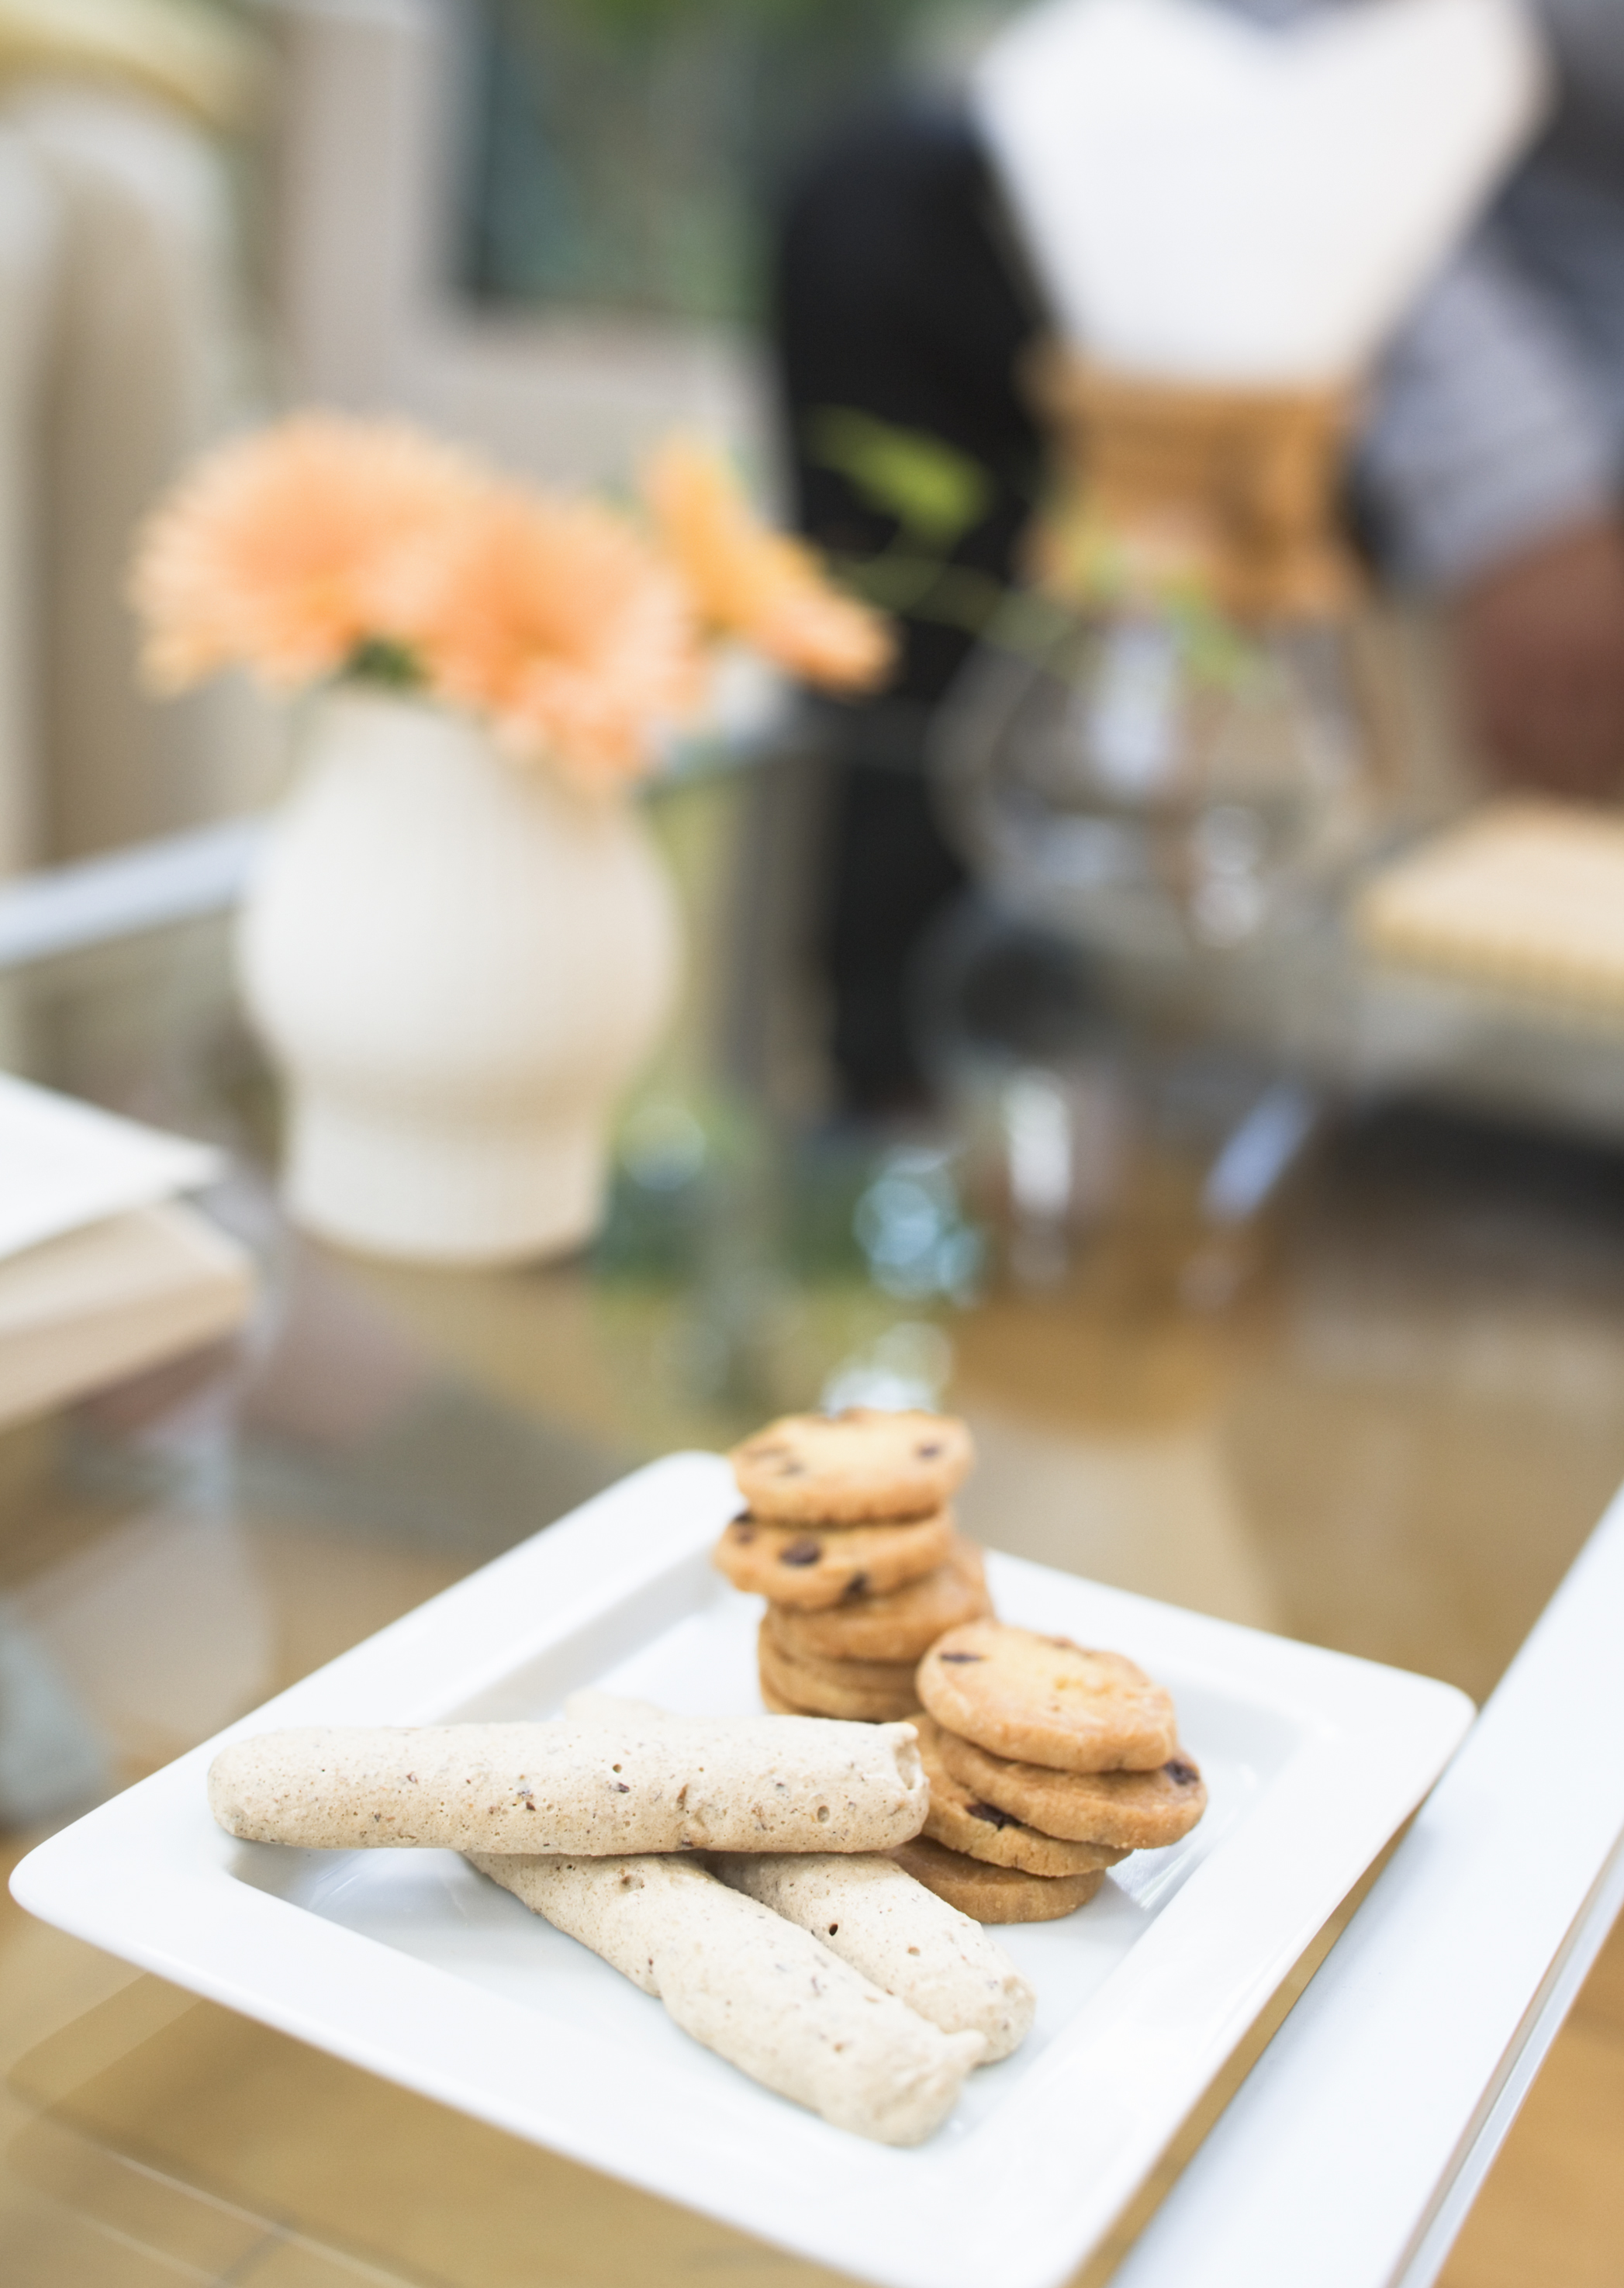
(1060, 1039)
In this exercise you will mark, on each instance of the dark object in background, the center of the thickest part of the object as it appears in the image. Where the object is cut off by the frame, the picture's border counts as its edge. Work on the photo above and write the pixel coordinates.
(997, 988)
(1540, 645)
(895, 296)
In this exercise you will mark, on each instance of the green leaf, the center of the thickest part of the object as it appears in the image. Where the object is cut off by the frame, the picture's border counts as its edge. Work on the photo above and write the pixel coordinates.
(935, 492)
(376, 659)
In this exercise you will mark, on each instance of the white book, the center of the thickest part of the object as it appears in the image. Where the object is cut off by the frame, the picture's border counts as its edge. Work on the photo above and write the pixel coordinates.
(92, 1307)
(64, 1164)
(103, 1271)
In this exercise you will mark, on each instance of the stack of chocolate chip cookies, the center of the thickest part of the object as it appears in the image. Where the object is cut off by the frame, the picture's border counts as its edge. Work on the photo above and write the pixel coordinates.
(1048, 1764)
(849, 1538)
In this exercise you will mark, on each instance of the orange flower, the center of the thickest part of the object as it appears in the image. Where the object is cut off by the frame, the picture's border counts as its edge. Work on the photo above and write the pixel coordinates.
(758, 584)
(327, 544)
(552, 617)
(285, 551)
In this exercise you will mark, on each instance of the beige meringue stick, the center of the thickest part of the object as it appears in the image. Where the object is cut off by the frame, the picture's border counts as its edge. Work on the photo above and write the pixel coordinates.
(874, 1916)
(643, 1784)
(759, 1990)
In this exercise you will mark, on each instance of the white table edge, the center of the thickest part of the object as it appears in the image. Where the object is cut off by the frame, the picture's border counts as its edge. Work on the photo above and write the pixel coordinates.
(1352, 2153)
(1479, 2146)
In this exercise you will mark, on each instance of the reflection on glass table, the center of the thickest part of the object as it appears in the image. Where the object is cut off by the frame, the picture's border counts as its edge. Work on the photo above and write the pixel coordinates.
(1368, 1391)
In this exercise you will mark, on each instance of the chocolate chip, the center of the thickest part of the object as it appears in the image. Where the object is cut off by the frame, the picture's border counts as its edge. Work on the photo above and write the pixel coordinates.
(621, 1788)
(855, 1586)
(792, 1468)
(992, 1816)
(959, 1658)
(927, 1453)
(833, 1928)
(1181, 1775)
(744, 1535)
(803, 1552)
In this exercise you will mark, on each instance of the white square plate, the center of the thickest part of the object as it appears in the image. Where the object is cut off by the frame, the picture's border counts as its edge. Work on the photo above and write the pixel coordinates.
(408, 1964)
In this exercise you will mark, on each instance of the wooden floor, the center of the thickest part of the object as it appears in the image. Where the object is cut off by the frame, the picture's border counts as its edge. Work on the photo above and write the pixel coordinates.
(1552, 2213)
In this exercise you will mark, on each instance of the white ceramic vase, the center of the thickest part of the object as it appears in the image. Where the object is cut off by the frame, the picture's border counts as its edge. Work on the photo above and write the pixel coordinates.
(458, 964)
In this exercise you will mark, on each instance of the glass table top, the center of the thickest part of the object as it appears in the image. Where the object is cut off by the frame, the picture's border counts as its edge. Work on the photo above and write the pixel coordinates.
(1381, 1412)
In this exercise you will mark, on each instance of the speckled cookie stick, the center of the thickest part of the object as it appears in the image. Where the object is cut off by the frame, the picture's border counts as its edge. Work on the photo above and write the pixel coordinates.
(890, 1928)
(761, 1992)
(640, 1783)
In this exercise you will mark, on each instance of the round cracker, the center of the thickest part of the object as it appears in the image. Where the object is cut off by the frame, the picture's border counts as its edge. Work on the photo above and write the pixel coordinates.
(902, 1625)
(852, 1690)
(964, 1823)
(852, 1468)
(775, 1703)
(876, 1675)
(815, 1566)
(1140, 1811)
(1045, 1700)
(993, 1895)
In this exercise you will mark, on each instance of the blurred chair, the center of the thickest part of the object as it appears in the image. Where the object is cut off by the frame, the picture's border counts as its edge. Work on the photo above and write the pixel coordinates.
(29, 244)
(123, 352)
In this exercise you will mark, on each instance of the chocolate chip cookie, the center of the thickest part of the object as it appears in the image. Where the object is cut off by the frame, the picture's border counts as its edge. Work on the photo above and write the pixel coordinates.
(993, 1895)
(962, 1822)
(899, 1625)
(818, 1565)
(862, 1691)
(852, 1468)
(1045, 1700)
(1140, 1811)
(775, 1703)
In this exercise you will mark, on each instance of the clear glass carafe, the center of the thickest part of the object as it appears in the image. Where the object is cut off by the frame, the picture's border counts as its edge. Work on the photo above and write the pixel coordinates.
(1161, 738)
(1156, 778)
